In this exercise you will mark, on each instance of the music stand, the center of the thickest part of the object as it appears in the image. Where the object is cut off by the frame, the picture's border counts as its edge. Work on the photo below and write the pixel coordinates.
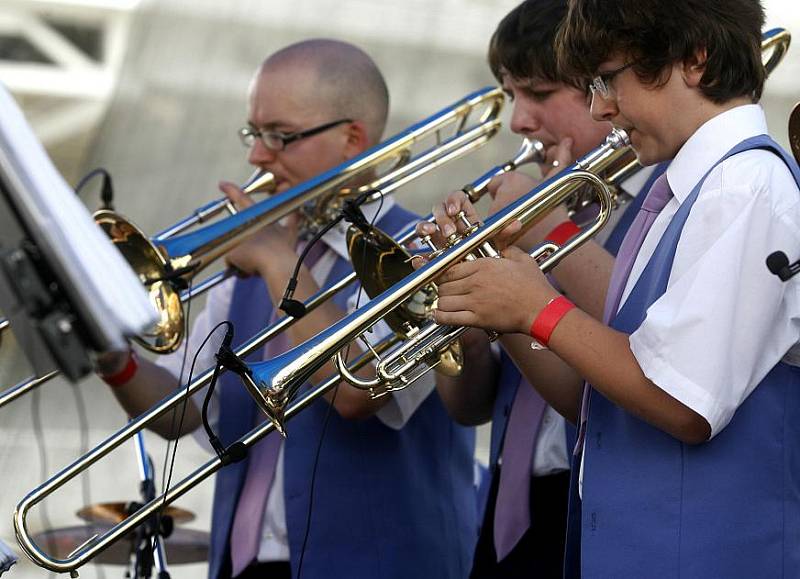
(67, 291)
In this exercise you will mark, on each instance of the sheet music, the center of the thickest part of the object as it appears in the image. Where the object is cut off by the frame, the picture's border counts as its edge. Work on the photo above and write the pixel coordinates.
(93, 272)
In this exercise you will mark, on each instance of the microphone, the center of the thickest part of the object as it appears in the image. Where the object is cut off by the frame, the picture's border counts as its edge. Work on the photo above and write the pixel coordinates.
(778, 264)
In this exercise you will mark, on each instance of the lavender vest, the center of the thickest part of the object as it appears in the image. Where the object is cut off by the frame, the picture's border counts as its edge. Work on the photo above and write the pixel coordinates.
(654, 507)
(387, 503)
(509, 376)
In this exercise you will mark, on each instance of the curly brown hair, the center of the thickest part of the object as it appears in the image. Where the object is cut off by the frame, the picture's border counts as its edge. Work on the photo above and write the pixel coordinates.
(657, 34)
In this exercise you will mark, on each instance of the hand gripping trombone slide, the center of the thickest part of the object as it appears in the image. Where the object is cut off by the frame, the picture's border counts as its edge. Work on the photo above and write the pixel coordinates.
(530, 151)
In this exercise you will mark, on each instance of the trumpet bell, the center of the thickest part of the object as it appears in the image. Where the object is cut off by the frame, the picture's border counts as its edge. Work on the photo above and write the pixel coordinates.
(154, 272)
(380, 262)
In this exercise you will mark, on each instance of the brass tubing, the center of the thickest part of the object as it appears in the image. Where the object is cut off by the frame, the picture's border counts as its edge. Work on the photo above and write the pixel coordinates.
(22, 388)
(88, 551)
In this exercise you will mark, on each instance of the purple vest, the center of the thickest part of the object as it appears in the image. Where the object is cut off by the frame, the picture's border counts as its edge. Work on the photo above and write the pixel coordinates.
(387, 503)
(655, 507)
(509, 376)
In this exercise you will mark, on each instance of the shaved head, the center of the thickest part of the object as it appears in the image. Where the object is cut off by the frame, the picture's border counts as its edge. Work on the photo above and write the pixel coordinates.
(346, 82)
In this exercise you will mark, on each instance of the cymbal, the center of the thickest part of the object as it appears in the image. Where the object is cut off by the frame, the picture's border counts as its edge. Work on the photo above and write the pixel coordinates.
(182, 546)
(794, 131)
(114, 513)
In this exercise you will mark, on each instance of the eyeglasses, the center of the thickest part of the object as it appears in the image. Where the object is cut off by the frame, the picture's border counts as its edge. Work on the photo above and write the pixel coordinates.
(277, 141)
(602, 82)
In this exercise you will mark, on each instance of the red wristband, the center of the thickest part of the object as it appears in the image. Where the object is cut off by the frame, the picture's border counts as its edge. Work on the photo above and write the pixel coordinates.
(563, 232)
(125, 374)
(547, 320)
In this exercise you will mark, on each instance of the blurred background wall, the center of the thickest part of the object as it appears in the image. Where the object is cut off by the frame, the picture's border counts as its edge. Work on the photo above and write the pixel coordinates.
(154, 90)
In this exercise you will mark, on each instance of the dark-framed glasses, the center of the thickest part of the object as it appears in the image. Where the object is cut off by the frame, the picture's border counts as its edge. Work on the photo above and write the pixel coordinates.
(602, 82)
(277, 141)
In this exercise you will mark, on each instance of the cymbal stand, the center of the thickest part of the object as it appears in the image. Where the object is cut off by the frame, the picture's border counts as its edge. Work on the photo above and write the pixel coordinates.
(149, 537)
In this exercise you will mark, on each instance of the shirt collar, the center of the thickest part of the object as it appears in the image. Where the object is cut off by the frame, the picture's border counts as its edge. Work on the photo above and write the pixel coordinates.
(633, 185)
(336, 238)
(709, 143)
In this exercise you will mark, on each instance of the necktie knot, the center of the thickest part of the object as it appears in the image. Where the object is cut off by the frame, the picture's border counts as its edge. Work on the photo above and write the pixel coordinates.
(658, 196)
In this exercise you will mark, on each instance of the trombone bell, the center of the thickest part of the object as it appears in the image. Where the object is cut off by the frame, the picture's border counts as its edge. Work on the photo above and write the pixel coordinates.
(380, 263)
(154, 272)
(159, 276)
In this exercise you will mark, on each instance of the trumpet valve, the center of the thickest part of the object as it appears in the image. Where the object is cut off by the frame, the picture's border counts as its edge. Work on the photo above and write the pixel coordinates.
(453, 239)
(429, 242)
(489, 250)
(469, 227)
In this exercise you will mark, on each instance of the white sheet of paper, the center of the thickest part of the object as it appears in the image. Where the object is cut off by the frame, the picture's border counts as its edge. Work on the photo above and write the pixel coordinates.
(96, 272)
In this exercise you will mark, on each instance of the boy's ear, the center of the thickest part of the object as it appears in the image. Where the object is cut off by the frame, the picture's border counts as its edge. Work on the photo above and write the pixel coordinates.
(694, 67)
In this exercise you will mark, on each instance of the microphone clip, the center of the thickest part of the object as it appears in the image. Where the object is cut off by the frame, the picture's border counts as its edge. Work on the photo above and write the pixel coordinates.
(351, 211)
(779, 265)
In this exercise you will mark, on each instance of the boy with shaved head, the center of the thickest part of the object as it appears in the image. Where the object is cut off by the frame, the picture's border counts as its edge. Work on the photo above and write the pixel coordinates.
(392, 478)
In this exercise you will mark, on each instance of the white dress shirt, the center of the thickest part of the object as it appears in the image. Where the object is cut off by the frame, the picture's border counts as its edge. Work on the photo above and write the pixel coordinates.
(551, 454)
(394, 414)
(724, 321)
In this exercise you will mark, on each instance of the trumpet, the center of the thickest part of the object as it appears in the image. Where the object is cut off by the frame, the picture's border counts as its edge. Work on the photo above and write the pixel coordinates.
(86, 552)
(529, 151)
(273, 384)
(169, 261)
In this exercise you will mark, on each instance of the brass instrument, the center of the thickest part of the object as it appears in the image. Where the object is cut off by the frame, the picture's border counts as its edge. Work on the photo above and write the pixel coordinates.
(530, 151)
(380, 262)
(774, 46)
(168, 260)
(277, 386)
(259, 182)
(274, 383)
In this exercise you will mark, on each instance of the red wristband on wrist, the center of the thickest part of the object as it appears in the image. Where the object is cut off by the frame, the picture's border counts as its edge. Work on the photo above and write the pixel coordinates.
(563, 232)
(547, 320)
(125, 374)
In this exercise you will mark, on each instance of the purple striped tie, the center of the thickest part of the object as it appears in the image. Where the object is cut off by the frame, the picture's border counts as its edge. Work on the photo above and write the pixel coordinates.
(249, 518)
(512, 515)
(657, 198)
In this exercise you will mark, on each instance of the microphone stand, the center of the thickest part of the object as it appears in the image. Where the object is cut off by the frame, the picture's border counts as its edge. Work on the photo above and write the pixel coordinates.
(149, 537)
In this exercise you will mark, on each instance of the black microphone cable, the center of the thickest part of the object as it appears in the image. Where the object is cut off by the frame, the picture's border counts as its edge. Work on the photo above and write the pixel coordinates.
(106, 189)
(353, 211)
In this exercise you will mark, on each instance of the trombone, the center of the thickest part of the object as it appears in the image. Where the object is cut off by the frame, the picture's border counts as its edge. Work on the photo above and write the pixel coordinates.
(528, 212)
(167, 261)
